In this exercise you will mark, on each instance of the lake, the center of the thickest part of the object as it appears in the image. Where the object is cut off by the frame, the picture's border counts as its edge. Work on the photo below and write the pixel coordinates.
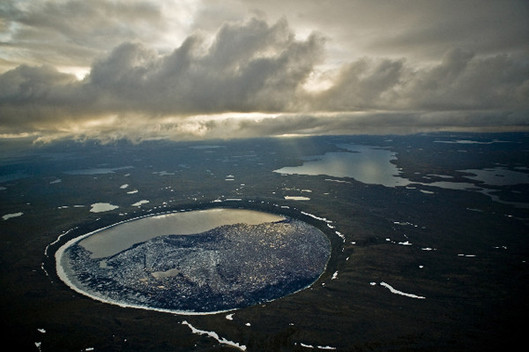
(195, 262)
(124, 235)
(366, 164)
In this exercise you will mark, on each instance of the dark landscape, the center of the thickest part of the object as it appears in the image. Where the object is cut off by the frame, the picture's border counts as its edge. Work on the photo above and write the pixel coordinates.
(437, 264)
(280, 175)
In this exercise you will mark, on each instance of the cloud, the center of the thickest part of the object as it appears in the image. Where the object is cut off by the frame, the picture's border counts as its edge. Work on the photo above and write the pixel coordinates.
(249, 66)
(461, 81)
(71, 33)
(416, 29)
(33, 94)
(363, 84)
(229, 125)
(430, 28)
(212, 88)
(465, 81)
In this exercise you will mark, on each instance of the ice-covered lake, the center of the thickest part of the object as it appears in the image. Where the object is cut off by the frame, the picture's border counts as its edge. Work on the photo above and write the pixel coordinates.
(195, 262)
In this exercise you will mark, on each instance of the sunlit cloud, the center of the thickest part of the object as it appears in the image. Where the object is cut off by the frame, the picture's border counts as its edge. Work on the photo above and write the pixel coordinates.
(231, 69)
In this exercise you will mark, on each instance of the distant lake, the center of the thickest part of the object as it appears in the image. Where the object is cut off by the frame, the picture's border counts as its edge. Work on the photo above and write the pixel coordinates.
(97, 171)
(374, 165)
(498, 176)
(195, 262)
(366, 164)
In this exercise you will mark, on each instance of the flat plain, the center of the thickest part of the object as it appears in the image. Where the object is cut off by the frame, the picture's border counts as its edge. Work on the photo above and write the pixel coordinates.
(438, 263)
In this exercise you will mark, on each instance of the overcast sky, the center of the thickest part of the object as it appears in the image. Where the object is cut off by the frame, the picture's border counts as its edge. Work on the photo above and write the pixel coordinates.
(220, 69)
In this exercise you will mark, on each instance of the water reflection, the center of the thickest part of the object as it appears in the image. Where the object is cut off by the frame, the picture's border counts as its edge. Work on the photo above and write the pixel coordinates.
(363, 163)
(372, 165)
(119, 238)
(498, 176)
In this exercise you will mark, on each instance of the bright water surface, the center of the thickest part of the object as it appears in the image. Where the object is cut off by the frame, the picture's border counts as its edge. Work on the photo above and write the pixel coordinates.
(373, 165)
(124, 235)
(363, 163)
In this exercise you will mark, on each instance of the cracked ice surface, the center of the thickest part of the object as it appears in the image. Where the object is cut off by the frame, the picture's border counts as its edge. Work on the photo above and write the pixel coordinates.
(227, 267)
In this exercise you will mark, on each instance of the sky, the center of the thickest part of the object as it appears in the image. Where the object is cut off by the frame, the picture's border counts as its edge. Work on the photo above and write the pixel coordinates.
(180, 70)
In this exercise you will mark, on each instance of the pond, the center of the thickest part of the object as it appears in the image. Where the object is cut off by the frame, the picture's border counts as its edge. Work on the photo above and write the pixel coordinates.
(195, 262)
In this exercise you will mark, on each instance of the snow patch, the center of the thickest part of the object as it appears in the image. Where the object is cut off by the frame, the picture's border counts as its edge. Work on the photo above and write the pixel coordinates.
(296, 198)
(397, 292)
(316, 217)
(339, 234)
(140, 203)
(12, 215)
(215, 336)
(102, 207)
(316, 347)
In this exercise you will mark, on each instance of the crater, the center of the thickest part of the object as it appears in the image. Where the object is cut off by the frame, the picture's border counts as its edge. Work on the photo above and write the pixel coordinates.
(195, 262)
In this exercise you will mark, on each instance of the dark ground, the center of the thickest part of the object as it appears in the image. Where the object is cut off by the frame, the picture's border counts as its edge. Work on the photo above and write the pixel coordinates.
(474, 280)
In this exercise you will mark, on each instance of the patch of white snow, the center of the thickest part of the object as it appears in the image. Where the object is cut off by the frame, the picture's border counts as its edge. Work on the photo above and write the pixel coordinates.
(397, 292)
(215, 336)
